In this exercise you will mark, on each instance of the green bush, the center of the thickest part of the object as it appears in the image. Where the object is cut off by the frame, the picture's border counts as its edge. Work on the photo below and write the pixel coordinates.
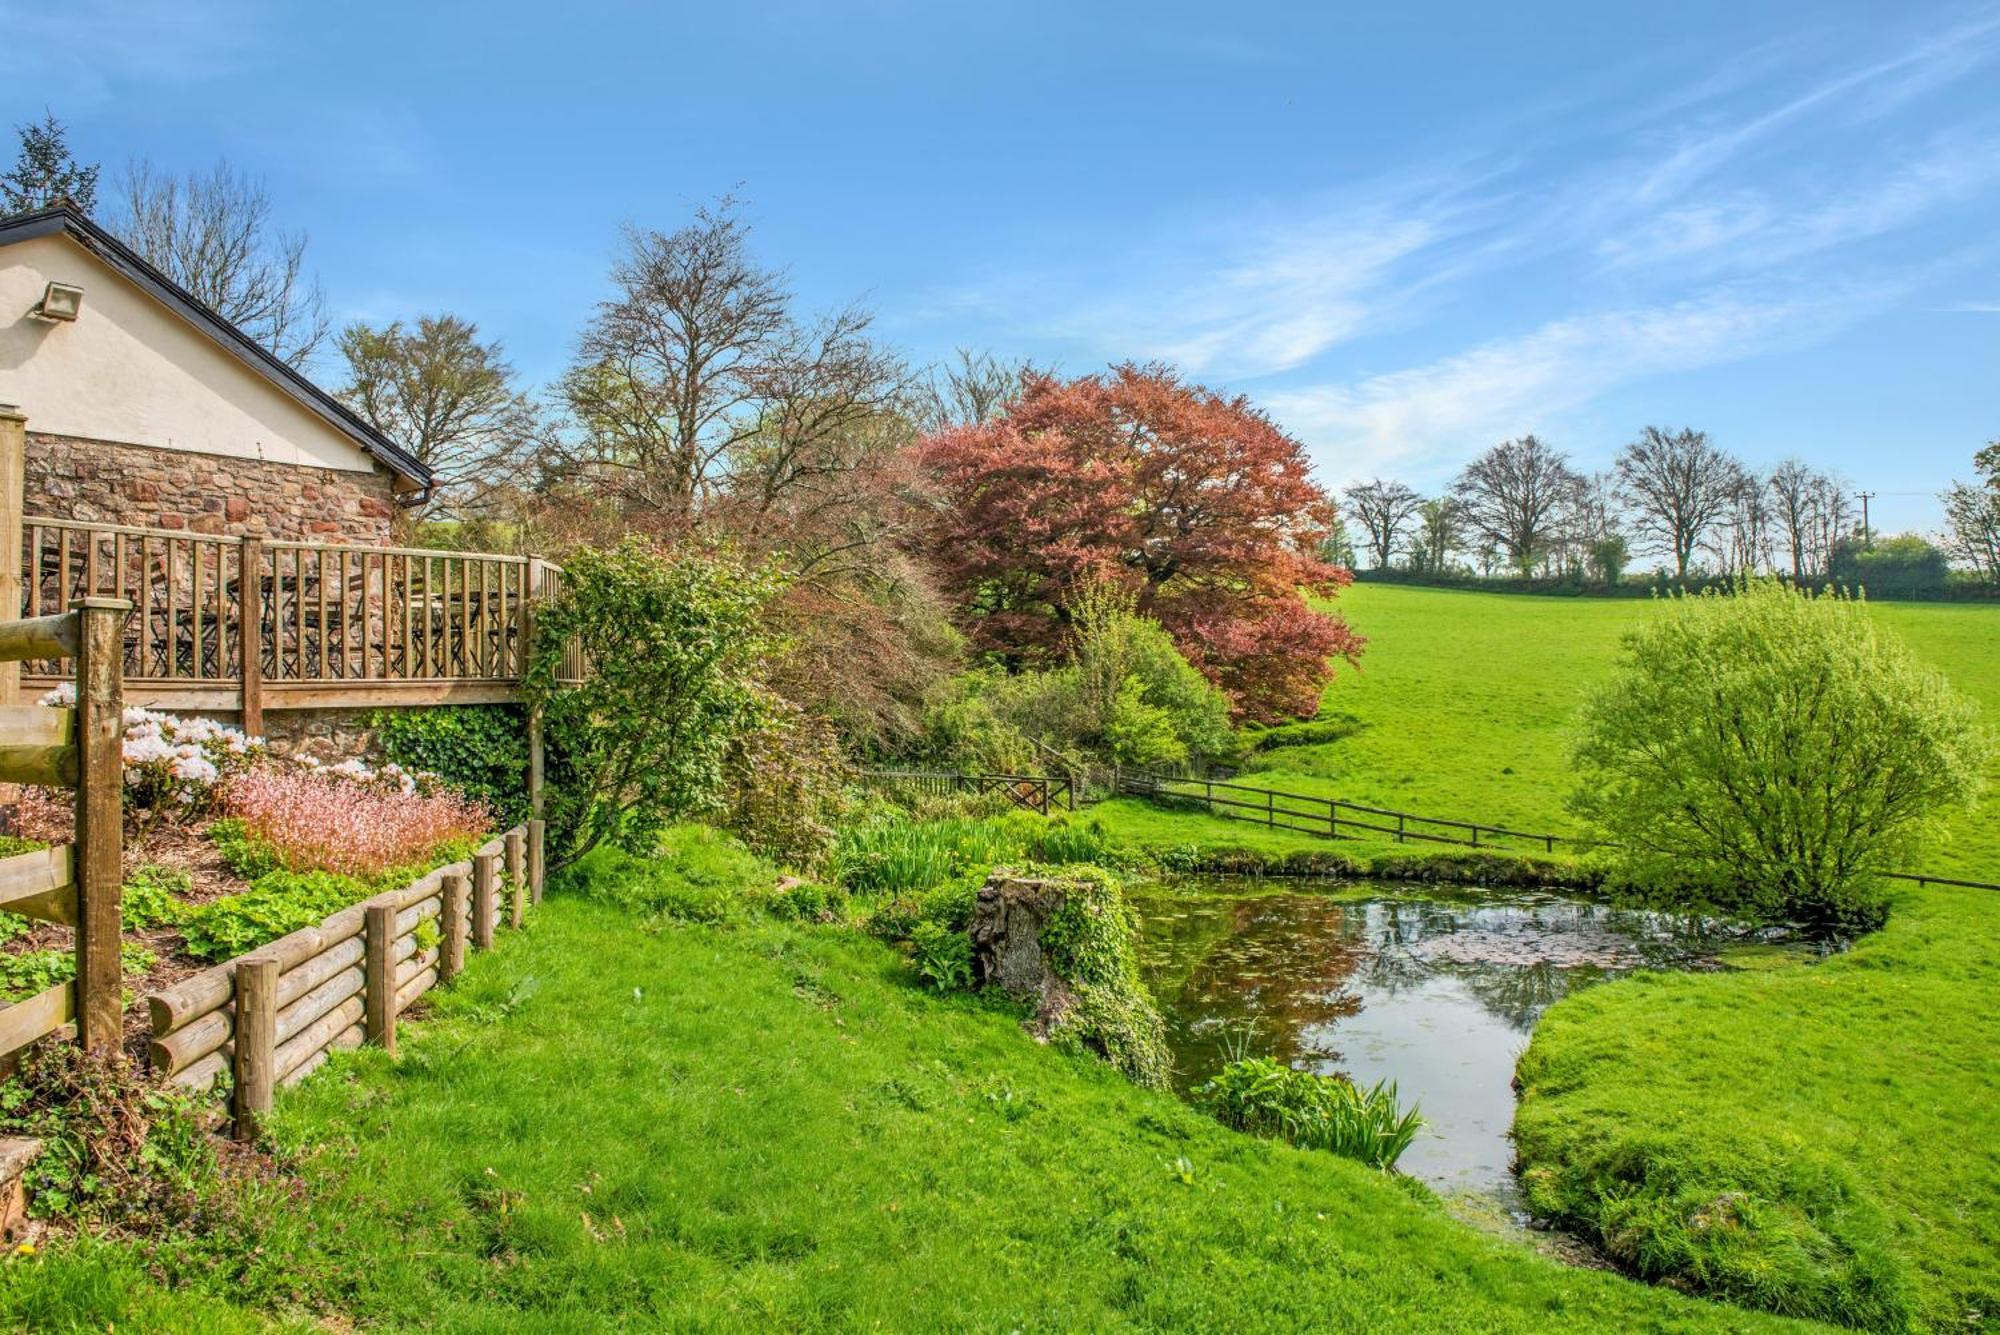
(482, 750)
(277, 903)
(675, 645)
(1317, 1112)
(786, 787)
(151, 898)
(1770, 754)
(806, 901)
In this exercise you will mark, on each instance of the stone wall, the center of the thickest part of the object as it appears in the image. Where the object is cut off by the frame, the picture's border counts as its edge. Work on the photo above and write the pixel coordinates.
(105, 482)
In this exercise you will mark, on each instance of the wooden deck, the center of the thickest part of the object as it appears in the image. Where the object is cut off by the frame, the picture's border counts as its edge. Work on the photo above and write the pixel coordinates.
(241, 625)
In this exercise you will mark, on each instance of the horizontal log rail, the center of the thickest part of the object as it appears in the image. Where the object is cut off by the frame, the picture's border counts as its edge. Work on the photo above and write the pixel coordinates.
(1333, 825)
(271, 1017)
(222, 622)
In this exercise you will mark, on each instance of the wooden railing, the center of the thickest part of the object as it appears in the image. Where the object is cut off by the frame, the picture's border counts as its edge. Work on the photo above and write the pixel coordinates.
(222, 622)
(76, 884)
(1040, 793)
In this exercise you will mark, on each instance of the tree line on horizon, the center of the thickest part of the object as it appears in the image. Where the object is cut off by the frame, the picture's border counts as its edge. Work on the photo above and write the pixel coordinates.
(1523, 511)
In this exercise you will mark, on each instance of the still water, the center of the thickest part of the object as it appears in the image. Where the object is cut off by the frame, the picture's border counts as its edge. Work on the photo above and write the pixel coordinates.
(1435, 994)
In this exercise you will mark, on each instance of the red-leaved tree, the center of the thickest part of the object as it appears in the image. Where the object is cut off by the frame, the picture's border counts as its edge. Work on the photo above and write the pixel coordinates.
(1198, 503)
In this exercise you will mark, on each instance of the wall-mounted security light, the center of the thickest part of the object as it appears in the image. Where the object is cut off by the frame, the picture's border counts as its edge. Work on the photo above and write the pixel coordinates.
(60, 301)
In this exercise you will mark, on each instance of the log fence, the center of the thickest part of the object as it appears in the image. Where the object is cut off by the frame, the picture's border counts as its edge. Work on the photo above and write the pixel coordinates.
(269, 1018)
(77, 884)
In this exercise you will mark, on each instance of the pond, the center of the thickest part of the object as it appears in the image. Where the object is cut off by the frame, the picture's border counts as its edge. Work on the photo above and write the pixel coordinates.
(1437, 994)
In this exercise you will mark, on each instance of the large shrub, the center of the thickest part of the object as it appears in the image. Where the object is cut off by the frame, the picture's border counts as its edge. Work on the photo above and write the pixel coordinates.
(786, 786)
(675, 644)
(1771, 753)
(482, 750)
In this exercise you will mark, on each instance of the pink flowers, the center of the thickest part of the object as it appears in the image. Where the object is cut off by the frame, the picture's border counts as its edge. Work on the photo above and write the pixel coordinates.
(317, 820)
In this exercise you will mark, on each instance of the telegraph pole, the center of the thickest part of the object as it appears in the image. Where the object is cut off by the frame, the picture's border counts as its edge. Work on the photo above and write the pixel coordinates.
(1866, 496)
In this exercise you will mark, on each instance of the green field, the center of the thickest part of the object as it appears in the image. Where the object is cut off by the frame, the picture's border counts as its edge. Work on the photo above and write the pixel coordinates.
(1464, 701)
(623, 1121)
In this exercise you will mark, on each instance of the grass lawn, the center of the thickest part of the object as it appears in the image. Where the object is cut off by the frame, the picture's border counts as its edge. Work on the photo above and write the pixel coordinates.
(624, 1120)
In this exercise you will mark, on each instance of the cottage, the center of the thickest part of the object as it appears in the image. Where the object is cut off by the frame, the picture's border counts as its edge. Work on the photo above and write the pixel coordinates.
(151, 451)
(144, 407)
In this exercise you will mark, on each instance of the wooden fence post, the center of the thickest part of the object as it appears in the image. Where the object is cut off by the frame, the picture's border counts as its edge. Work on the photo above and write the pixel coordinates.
(250, 632)
(379, 977)
(451, 953)
(256, 1042)
(517, 873)
(483, 877)
(537, 867)
(100, 820)
(13, 469)
(528, 619)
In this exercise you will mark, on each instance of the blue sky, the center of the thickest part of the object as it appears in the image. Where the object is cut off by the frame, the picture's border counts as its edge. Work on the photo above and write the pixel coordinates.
(1409, 230)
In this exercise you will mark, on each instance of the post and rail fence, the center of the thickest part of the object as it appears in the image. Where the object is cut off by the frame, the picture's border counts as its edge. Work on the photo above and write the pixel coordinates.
(77, 885)
(1039, 793)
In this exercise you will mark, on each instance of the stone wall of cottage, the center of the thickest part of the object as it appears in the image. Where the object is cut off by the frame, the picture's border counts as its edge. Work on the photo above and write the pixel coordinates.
(105, 482)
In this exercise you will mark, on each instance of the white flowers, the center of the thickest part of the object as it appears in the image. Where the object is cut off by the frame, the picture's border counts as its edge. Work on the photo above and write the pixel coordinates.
(388, 777)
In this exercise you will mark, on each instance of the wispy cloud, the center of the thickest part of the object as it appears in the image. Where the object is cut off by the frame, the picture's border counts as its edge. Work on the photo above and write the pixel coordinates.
(184, 43)
(1421, 418)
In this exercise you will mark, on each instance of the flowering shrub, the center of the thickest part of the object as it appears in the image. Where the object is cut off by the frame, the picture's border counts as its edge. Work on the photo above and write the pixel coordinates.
(387, 778)
(174, 766)
(348, 819)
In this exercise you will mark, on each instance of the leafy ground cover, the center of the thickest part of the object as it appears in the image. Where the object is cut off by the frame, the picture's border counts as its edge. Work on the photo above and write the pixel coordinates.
(626, 1118)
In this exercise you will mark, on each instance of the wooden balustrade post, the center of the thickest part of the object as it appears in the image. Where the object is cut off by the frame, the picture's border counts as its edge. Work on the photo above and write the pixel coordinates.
(484, 875)
(517, 873)
(379, 977)
(535, 757)
(250, 632)
(13, 468)
(255, 1041)
(100, 820)
(451, 949)
(537, 867)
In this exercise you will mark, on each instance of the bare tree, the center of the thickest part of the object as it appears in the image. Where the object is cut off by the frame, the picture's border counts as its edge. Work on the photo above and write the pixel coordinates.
(1677, 486)
(1515, 496)
(1791, 484)
(1831, 519)
(1384, 509)
(1439, 533)
(972, 388)
(1741, 539)
(213, 235)
(447, 398)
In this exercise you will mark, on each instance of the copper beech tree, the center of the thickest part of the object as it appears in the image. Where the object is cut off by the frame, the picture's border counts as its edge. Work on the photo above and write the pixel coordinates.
(1199, 504)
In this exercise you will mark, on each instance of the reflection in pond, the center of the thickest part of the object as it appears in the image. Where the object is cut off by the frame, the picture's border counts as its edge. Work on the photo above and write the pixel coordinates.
(1437, 995)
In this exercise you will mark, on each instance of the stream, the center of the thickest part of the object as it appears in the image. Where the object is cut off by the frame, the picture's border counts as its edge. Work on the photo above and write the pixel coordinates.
(1436, 993)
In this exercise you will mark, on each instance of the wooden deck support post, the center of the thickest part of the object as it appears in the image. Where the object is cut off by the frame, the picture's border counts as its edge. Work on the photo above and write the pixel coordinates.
(537, 865)
(484, 875)
(250, 632)
(452, 890)
(379, 977)
(517, 873)
(100, 820)
(536, 575)
(13, 470)
(256, 1043)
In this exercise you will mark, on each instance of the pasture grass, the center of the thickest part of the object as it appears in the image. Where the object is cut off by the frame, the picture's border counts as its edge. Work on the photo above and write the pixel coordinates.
(627, 1120)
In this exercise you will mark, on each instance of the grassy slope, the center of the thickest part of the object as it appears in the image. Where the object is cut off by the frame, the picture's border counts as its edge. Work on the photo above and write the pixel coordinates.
(768, 1127)
(1850, 1101)
(1464, 700)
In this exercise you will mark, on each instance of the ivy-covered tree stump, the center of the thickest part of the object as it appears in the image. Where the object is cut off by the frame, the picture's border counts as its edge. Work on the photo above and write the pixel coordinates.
(1063, 942)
